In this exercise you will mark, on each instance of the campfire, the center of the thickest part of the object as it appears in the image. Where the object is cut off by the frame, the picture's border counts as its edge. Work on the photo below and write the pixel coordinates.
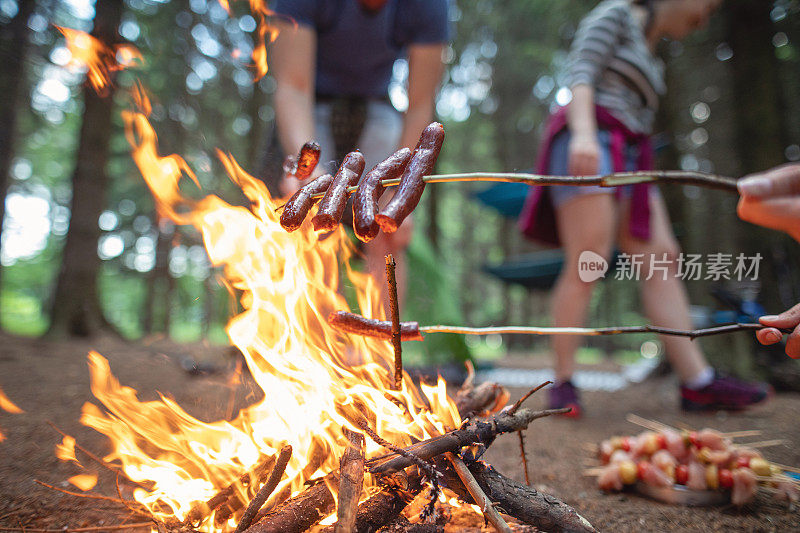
(342, 436)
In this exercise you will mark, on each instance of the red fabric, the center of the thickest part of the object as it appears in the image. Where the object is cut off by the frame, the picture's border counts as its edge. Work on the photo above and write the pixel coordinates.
(538, 218)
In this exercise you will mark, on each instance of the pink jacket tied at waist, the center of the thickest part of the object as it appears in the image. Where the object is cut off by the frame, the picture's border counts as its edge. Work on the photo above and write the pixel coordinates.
(538, 219)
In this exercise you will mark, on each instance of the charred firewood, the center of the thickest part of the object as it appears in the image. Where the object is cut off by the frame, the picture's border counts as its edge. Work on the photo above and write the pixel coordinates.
(384, 508)
(476, 431)
(483, 400)
(524, 503)
(351, 482)
(301, 512)
(227, 496)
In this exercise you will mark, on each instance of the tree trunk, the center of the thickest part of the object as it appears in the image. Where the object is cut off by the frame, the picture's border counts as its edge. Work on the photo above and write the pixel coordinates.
(76, 306)
(13, 43)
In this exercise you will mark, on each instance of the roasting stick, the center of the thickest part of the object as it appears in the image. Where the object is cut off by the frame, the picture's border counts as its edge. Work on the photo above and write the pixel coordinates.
(394, 307)
(353, 323)
(619, 330)
(487, 508)
(711, 181)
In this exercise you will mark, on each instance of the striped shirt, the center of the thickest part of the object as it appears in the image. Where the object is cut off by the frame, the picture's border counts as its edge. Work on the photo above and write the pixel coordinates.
(610, 53)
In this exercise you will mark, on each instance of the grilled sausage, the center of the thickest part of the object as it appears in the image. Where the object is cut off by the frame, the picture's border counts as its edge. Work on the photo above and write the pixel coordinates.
(296, 209)
(365, 199)
(333, 203)
(307, 160)
(411, 183)
(371, 327)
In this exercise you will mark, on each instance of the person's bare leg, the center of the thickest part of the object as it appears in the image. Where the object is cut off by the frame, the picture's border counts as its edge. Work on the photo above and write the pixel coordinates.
(664, 297)
(585, 222)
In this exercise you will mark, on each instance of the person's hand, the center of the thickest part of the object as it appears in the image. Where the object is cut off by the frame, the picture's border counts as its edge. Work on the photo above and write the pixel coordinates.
(772, 199)
(584, 155)
(788, 320)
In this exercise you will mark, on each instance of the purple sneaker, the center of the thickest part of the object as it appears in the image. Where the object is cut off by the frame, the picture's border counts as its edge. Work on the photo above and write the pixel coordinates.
(565, 395)
(724, 393)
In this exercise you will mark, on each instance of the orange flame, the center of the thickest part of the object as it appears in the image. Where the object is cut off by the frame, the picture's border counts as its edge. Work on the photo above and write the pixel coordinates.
(266, 34)
(316, 380)
(9, 406)
(84, 481)
(99, 59)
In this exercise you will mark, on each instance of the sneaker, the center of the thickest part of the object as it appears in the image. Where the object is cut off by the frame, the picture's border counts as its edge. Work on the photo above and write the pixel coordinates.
(565, 395)
(724, 393)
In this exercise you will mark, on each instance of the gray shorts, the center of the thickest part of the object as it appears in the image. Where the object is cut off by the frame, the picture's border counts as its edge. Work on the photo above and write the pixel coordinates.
(379, 138)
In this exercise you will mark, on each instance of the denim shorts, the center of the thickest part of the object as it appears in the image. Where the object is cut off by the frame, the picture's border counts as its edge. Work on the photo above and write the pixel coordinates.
(559, 150)
(379, 138)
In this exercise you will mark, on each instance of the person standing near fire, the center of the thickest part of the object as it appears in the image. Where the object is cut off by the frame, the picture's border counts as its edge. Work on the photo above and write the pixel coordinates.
(616, 82)
(333, 61)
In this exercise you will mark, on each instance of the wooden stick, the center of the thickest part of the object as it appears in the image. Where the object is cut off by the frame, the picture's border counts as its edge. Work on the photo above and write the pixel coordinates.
(394, 306)
(524, 503)
(711, 181)
(351, 482)
(488, 510)
(646, 423)
(87, 495)
(792, 469)
(524, 457)
(763, 443)
(264, 492)
(302, 511)
(743, 433)
(616, 330)
(201, 510)
(79, 529)
(527, 395)
(378, 328)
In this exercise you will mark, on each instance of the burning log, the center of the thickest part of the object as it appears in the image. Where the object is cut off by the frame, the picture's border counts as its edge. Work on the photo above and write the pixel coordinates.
(227, 496)
(301, 512)
(483, 431)
(351, 482)
(520, 501)
(483, 400)
(382, 508)
(264, 492)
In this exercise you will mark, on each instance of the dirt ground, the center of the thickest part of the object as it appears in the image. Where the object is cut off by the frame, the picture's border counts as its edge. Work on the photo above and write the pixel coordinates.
(50, 382)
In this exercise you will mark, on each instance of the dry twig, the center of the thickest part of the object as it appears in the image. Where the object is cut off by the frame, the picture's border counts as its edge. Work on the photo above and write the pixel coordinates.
(487, 508)
(264, 492)
(112, 527)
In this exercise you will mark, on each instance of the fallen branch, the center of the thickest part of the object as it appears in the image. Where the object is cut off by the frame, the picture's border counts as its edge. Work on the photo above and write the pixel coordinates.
(99, 460)
(478, 496)
(483, 431)
(351, 482)
(87, 495)
(264, 492)
(520, 501)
